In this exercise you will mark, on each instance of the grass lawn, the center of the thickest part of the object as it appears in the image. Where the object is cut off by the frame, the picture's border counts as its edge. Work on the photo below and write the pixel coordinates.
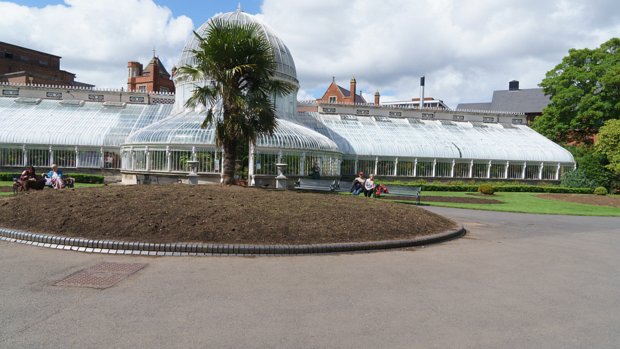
(77, 185)
(525, 203)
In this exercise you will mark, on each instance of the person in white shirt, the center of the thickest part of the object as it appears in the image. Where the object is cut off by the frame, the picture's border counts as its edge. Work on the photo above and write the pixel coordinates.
(369, 185)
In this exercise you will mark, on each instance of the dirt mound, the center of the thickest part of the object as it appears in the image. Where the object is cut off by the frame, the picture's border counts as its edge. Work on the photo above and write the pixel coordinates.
(212, 213)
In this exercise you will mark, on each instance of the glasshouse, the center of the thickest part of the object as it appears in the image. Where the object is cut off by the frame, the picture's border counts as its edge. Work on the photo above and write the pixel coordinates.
(155, 140)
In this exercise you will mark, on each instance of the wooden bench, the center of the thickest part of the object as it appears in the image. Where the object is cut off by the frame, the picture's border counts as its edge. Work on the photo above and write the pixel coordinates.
(317, 184)
(401, 190)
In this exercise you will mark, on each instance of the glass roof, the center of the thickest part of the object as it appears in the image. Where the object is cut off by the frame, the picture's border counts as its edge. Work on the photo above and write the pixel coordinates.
(185, 129)
(394, 137)
(83, 124)
(284, 60)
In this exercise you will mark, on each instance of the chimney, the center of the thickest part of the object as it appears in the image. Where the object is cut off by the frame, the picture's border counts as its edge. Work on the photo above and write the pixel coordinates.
(422, 92)
(513, 85)
(377, 97)
(353, 89)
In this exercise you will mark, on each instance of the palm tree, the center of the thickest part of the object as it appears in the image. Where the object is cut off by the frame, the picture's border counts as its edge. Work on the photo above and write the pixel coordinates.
(236, 66)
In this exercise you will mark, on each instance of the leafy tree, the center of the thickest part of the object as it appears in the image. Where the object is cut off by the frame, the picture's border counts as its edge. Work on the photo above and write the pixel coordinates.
(608, 144)
(238, 65)
(585, 92)
(591, 171)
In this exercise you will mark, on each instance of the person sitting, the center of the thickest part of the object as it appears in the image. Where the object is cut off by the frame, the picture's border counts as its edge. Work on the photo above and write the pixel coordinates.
(358, 184)
(54, 178)
(28, 174)
(369, 186)
(27, 180)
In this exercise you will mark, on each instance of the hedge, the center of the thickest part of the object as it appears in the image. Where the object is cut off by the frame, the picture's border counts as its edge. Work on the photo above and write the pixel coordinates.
(79, 177)
(498, 187)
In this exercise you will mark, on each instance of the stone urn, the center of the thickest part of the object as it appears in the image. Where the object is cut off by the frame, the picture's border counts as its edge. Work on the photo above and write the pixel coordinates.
(281, 178)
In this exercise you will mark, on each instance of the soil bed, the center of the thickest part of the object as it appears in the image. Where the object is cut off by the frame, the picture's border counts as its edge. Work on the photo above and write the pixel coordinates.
(216, 214)
(589, 199)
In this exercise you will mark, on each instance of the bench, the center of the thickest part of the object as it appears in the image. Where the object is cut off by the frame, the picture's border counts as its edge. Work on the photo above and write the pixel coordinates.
(317, 184)
(401, 190)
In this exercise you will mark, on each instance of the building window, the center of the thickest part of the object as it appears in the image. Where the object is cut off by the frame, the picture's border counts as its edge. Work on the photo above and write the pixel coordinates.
(42, 62)
(142, 88)
(329, 110)
(332, 99)
(488, 119)
(164, 89)
(396, 113)
(54, 95)
(8, 55)
(458, 117)
(428, 116)
(97, 98)
(517, 121)
(10, 92)
(363, 112)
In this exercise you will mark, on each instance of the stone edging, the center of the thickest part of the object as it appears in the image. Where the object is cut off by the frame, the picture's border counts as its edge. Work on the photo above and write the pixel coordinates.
(199, 249)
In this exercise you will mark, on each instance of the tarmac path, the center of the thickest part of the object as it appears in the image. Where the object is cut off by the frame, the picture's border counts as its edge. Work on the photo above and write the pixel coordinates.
(515, 281)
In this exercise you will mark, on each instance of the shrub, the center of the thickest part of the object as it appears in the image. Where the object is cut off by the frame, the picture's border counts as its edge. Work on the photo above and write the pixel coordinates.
(486, 189)
(4, 176)
(86, 178)
(600, 191)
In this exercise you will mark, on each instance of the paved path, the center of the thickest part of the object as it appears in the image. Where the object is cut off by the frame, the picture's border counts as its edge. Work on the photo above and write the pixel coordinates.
(516, 281)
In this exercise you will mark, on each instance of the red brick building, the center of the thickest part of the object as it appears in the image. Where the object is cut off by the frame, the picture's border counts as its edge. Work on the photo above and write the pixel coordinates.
(339, 94)
(153, 78)
(22, 65)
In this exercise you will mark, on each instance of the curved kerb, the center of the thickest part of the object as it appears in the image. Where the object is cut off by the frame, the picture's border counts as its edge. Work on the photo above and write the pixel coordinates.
(199, 249)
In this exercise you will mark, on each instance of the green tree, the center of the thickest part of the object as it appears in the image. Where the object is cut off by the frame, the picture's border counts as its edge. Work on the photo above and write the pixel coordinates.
(585, 92)
(234, 71)
(608, 144)
(591, 169)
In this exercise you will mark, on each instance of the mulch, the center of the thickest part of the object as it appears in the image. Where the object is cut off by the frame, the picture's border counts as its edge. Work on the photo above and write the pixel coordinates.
(215, 214)
(589, 199)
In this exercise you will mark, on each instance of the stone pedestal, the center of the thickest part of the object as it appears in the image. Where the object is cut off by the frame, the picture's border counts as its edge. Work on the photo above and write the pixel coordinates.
(192, 177)
(281, 178)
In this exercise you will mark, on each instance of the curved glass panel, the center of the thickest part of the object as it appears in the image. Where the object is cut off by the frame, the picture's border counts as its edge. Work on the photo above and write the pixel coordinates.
(185, 128)
(432, 139)
(93, 124)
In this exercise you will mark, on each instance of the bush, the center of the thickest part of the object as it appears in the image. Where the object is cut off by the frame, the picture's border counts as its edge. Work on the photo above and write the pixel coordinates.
(86, 178)
(486, 189)
(4, 176)
(79, 177)
(600, 191)
(497, 187)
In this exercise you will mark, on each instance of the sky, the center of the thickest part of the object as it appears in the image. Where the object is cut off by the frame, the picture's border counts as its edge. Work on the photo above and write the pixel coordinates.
(465, 48)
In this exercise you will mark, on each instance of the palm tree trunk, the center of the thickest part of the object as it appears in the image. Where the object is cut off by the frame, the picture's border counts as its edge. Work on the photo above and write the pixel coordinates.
(230, 156)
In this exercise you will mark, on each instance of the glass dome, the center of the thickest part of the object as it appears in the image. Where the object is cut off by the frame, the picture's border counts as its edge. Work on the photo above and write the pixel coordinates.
(285, 65)
(284, 60)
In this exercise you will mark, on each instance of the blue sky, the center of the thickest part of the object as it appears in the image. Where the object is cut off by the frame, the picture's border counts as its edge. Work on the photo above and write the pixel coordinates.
(198, 10)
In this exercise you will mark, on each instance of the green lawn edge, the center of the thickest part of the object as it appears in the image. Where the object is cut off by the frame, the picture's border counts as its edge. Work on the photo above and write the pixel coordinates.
(523, 203)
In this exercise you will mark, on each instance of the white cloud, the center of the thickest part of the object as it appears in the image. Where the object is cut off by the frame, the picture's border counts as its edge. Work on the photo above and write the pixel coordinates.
(97, 38)
(466, 49)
